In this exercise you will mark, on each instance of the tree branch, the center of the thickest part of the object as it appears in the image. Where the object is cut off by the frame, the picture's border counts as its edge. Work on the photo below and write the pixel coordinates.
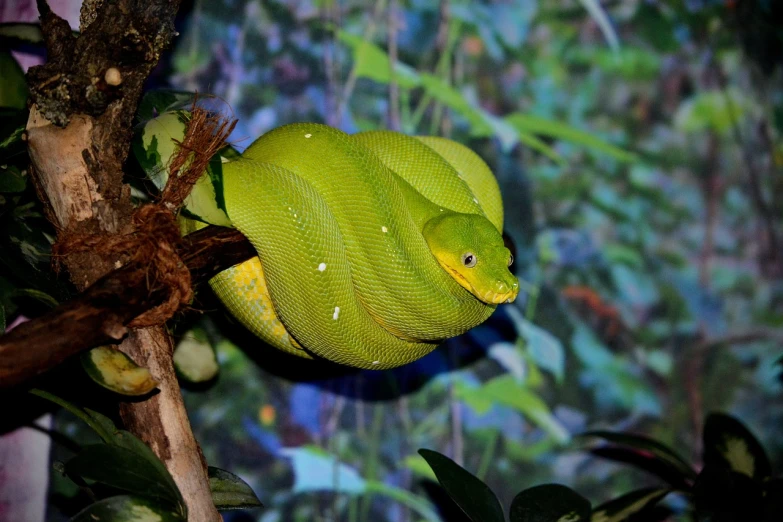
(84, 100)
(100, 315)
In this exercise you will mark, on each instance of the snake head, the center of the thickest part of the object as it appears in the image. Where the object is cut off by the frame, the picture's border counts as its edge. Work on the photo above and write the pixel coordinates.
(471, 250)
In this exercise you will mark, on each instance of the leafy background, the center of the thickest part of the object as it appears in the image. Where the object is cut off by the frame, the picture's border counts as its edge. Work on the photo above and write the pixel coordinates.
(637, 144)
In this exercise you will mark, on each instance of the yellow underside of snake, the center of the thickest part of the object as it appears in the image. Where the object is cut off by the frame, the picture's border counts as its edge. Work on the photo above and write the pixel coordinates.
(372, 248)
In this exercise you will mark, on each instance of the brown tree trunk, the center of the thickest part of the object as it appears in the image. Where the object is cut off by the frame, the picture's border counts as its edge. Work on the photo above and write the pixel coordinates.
(84, 102)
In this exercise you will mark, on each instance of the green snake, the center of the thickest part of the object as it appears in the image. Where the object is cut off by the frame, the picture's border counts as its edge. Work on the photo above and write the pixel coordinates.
(373, 248)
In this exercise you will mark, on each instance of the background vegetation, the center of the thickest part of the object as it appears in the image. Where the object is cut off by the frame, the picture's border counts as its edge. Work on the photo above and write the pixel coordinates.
(639, 154)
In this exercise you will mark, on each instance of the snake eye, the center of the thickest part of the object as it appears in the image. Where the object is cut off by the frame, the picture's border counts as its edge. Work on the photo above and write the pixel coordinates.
(510, 259)
(469, 260)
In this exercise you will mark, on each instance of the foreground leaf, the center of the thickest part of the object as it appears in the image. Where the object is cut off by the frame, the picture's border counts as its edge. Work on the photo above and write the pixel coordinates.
(724, 495)
(646, 445)
(13, 86)
(621, 508)
(474, 497)
(126, 508)
(231, 492)
(728, 443)
(117, 372)
(123, 469)
(158, 101)
(11, 179)
(550, 503)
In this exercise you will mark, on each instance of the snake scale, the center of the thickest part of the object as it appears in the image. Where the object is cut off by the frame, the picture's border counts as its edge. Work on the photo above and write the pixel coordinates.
(372, 248)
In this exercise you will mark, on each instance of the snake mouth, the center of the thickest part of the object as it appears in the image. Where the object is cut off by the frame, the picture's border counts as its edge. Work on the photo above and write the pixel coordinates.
(488, 296)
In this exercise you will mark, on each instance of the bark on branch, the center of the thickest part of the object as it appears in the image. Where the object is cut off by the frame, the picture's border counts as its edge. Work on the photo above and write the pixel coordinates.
(83, 102)
(100, 315)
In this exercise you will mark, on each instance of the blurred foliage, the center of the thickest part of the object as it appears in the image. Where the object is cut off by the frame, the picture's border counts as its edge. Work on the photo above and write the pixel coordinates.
(641, 182)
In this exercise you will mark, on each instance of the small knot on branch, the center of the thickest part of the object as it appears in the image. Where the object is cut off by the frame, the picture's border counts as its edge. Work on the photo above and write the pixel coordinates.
(155, 237)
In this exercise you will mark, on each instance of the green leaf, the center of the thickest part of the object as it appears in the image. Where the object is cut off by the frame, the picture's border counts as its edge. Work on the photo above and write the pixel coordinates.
(421, 508)
(472, 496)
(129, 441)
(419, 466)
(107, 425)
(371, 62)
(154, 149)
(37, 295)
(160, 101)
(452, 98)
(729, 444)
(507, 391)
(15, 33)
(97, 425)
(158, 146)
(205, 201)
(115, 371)
(195, 359)
(13, 142)
(622, 508)
(231, 492)
(123, 469)
(545, 349)
(545, 127)
(538, 145)
(646, 444)
(550, 503)
(126, 508)
(13, 87)
(717, 110)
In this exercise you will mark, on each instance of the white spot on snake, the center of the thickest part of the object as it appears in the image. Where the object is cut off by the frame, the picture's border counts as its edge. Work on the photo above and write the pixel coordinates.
(336, 313)
(322, 267)
(376, 362)
(384, 229)
(441, 210)
(308, 135)
(475, 200)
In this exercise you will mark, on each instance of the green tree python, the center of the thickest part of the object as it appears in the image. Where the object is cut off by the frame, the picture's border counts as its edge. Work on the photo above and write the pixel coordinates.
(373, 248)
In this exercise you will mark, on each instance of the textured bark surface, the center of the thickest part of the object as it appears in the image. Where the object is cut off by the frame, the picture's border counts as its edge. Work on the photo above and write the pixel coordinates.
(83, 103)
(100, 314)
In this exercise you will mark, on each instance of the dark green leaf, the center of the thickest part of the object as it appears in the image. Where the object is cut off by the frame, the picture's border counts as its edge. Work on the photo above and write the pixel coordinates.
(126, 508)
(38, 295)
(15, 33)
(123, 469)
(13, 87)
(728, 443)
(98, 426)
(468, 492)
(102, 420)
(621, 508)
(156, 102)
(231, 492)
(723, 495)
(645, 444)
(2, 319)
(12, 142)
(550, 503)
(127, 440)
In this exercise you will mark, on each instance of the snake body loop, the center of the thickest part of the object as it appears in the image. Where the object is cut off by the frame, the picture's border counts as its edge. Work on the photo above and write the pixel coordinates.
(354, 238)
